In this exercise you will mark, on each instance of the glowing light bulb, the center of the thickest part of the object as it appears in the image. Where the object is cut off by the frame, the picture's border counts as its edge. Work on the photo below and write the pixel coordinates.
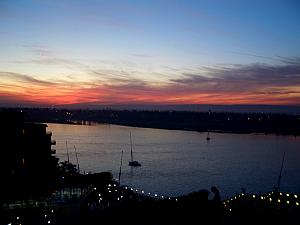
(288, 202)
(18, 217)
(280, 193)
(126, 188)
(143, 192)
(52, 211)
(99, 195)
(253, 196)
(49, 222)
(109, 185)
(95, 188)
(155, 195)
(270, 199)
(114, 185)
(149, 193)
(297, 203)
(295, 196)
(45, 215)
(176, 199)
(118, 199)
(261, 197)
(278, 200)
(288, 195)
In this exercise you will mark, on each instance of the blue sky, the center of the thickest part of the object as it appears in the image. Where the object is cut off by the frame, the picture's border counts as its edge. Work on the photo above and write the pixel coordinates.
(146, 45)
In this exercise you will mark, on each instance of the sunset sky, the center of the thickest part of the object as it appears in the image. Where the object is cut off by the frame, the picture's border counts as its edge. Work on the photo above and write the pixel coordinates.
(149, 52)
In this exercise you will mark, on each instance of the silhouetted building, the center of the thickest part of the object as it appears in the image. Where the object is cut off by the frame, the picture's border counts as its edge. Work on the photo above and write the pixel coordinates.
(26, 157)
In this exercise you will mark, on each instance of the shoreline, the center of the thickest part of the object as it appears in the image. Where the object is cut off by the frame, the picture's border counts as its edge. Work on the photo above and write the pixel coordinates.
(92, 123)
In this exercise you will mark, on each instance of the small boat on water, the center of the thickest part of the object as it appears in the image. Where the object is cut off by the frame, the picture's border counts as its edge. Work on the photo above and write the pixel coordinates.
(132, 162)
(207, 137)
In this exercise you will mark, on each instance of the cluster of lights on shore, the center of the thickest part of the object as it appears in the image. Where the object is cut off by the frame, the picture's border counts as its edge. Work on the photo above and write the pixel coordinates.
(278, 198)
(272, 197)
(113, 188)
(46, 216)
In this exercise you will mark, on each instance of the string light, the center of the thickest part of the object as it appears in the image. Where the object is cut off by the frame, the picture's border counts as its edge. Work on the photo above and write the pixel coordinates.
(270, 199)
(288, 195)
(297, 203)
(48, 221)
(288, 202)
(295, 196)
(278, 200)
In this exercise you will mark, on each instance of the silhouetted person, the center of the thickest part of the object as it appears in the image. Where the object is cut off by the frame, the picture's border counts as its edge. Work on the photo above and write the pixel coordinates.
(243, 191)
(216, 206)
(217, 197)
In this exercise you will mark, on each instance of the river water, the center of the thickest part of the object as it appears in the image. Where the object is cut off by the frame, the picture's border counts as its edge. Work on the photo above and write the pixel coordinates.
(177, 162)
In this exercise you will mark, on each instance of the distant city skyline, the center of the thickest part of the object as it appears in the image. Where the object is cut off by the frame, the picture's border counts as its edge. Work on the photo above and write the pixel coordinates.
(149, 52)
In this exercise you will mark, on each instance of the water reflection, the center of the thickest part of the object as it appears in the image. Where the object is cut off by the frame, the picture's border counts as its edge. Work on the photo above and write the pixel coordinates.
(177, 162)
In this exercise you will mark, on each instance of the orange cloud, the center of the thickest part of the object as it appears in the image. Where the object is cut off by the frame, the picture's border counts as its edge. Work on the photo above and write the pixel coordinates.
(239, 84)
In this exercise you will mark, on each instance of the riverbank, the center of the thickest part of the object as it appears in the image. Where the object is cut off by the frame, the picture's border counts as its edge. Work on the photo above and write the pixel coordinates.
(107, 202)
(265, 123)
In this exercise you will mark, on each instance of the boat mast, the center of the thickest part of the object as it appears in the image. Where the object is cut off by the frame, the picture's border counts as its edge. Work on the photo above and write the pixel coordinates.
(120, 168)
(67, 152)
(131, 148)
(279, 177)
(77, 159)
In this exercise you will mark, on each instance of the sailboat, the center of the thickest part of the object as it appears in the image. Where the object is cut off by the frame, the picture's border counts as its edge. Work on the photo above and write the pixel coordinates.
(132, 162)
(207, 137)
